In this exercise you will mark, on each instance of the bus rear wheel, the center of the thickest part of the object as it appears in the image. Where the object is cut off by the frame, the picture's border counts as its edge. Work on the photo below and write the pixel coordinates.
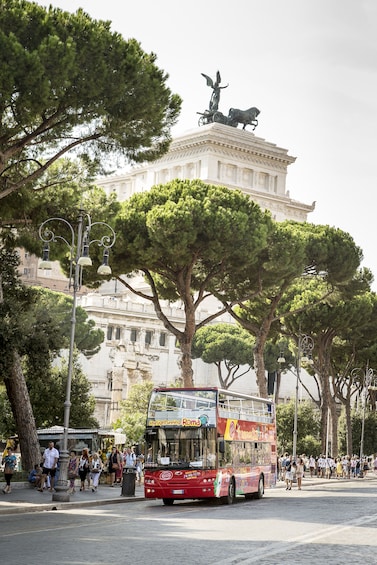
(260, 492)
(231, 492)
(168, 501)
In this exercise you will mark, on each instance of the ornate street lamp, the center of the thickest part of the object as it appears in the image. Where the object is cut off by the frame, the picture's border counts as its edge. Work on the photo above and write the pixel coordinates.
(305, 347)
(78, 258)
(368, 380)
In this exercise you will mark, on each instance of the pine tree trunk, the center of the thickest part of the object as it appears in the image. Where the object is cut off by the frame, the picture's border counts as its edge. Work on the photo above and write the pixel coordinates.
(260, 369)
(187, 373)
(334, 422)
(19, 399)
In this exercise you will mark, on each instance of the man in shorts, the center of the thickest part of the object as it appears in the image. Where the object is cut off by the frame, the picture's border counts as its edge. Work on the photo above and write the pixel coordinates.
(50, 462)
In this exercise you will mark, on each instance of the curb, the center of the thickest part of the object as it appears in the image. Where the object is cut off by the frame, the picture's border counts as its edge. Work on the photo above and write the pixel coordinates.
(53, 506)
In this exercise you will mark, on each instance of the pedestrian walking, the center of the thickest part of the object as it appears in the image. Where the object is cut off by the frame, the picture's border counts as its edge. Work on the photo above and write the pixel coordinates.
(73, 471)
(300, 472)
(50, 463)
(95, 471)
(114, 464)
(375, 465)
(339, 468)
(288, 473)
(312, 466)
(129, 457)
(10, 464)
(139, 468)
(83, 467)
(286, 461)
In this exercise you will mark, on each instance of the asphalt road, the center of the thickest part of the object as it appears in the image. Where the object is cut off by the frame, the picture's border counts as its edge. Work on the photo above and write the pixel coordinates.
(329, 523)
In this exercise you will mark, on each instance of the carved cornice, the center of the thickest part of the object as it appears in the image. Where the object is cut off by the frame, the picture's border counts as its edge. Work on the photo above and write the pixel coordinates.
(233, 144)
(231, 140)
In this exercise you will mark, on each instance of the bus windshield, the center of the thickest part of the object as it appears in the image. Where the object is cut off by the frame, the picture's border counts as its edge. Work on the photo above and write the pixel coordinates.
(182, 428)
(182, 447)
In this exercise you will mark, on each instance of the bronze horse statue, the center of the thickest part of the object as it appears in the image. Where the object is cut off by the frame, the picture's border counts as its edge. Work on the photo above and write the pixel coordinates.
(245, 117)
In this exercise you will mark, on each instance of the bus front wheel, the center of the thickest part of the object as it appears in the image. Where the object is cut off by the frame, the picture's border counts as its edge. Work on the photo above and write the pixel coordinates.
(168, 501)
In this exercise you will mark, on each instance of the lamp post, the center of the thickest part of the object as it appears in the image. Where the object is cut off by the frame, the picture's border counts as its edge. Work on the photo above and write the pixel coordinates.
(367, 378)
(305, 347)
(78, 258)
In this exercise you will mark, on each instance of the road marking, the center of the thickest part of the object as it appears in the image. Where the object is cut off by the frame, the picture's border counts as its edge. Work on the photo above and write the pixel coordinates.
(275, 548)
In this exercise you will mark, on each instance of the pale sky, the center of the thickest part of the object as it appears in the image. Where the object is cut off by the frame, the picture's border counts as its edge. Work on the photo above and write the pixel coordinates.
(310, 66)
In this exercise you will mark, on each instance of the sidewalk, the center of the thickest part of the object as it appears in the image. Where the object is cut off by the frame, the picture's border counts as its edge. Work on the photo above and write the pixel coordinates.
(308, 481)
(26, 499)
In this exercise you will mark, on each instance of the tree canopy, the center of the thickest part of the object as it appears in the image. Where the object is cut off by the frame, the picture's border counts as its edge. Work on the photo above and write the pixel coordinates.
(68, 81)
(229, 347)
(343, 328)
(190, 240)
(308, 253)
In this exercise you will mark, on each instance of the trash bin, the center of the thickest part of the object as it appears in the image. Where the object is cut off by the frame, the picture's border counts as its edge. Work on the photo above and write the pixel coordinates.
(128, 483)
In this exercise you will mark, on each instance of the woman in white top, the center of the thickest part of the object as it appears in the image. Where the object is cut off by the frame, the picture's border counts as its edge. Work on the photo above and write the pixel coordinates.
(95, 470)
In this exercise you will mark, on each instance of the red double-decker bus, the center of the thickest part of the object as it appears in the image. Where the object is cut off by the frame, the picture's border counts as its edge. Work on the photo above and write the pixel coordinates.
(209, 443)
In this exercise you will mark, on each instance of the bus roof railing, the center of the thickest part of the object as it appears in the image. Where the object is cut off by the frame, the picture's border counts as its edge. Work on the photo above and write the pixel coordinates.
(219, 390)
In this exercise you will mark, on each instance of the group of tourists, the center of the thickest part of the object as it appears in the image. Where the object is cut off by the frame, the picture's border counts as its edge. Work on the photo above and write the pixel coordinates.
(291, 470)
(346, 467)
(85, 467)
(118, 461)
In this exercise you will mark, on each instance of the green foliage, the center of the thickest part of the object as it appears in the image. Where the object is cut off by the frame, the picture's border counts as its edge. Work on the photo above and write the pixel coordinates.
(52, 314)
(62, 199)
(301, 268)
(330, 252)
(37, 323)
(273, 351)
(67, 80)
(308, 426)
(48, 393)
(310, 445)
(134, 413)
(16, 301)
(370, 433)
(52, 326)
(7, 426)
(227, 346)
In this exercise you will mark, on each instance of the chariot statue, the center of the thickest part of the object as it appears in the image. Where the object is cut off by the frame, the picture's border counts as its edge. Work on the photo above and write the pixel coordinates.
(235, 116)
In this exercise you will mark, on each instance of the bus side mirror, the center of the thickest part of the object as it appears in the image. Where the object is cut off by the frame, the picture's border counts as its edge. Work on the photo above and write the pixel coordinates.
(222, 446)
